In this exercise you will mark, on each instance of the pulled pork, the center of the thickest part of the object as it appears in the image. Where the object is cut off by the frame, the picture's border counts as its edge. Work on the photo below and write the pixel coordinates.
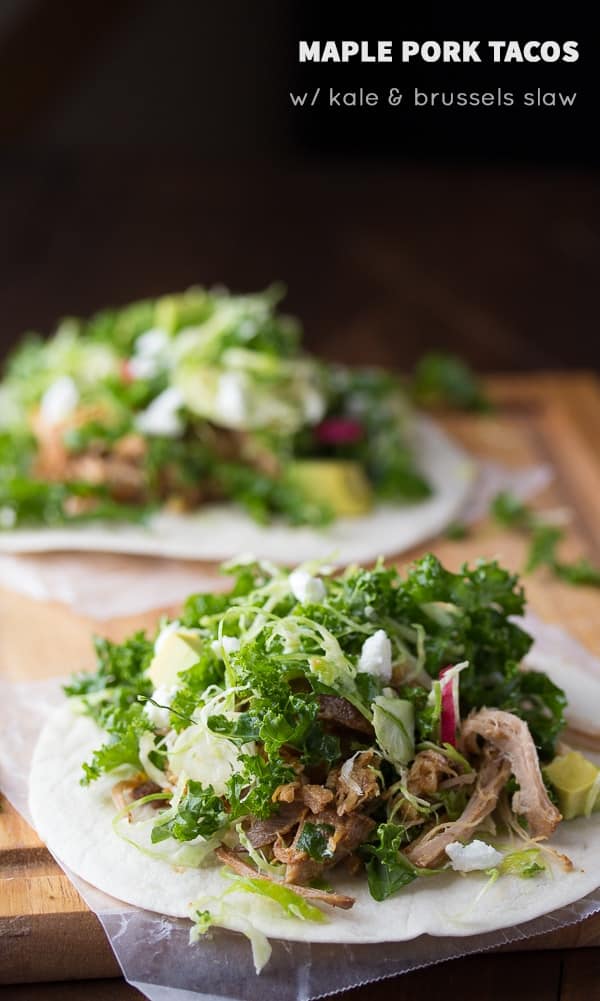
(511, 738)
(265, 832)
(244, 869)
(337, 710)
(429, 850)
(127, 792)
(428, 772)
(347, 834)
(355, 783)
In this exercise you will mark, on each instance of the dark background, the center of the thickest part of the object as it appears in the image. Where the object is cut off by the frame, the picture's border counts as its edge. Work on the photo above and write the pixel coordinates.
(146, 146)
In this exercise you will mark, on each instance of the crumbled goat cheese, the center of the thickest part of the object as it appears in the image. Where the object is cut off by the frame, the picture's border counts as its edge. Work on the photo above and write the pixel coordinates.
(231, 400)
(476, 855)
(227, 644)
(159, 716)
(142, 367)
(151, 343)
(149, 356)
(376, 656)
(313, 405)
(161, 416)
(59, 400)
(305, 588)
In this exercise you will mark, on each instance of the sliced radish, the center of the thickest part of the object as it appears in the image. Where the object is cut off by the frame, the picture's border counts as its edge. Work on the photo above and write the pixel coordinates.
(127, 375)
(450, 715)
(339, 431)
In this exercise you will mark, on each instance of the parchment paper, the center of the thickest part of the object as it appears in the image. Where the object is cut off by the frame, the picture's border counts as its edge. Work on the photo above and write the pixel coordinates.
(105, 586)
(153, 951)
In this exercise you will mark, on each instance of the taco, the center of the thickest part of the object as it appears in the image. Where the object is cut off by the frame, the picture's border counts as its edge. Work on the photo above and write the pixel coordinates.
(336, 758)
(172, 425)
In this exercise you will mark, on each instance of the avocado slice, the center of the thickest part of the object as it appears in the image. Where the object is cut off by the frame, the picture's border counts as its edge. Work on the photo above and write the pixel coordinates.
(178, 651)
(577, 784)
(341, 484)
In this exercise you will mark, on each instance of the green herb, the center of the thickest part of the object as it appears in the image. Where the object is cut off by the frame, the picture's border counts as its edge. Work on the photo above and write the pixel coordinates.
(314, 840)
(200, 813)
(110, 696)
(250, 790)
(119, 664)
(192, 684)
(526, 863)
(580, 573)
(511, 512)
(456, 531)
(545, 538)
(121, 749)
(542, 549)
(388, 869)
(445, 380)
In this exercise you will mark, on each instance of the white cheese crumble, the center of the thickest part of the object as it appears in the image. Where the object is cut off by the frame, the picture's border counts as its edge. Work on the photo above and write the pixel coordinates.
(227, 644)
(476, 855)
(313, 405)
(231, 400)
(161, 416)
(172, 627)
(150, 354)
(59, 400)
(376, 656)
(142, 367)
(305, 588)
(158, 716)
(152, 343)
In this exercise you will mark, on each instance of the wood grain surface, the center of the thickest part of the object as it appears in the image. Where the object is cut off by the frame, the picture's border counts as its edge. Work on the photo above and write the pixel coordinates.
(46, 932)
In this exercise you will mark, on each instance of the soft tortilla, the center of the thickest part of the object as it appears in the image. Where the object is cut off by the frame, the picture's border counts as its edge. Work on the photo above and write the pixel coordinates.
(75, 822)
(218, 531)
(582, 688)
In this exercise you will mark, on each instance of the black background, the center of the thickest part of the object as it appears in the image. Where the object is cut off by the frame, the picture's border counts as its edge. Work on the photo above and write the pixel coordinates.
(148, 145)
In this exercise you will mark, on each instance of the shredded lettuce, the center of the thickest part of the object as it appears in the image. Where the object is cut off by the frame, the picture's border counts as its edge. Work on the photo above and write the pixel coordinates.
(209, 912)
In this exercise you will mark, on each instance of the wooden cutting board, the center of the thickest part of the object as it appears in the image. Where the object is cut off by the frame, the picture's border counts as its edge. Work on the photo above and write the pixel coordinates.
(46, 931)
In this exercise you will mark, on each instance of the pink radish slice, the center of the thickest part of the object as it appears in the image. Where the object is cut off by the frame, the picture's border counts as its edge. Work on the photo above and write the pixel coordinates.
(449, 715)
(127, 375)
(339, 431)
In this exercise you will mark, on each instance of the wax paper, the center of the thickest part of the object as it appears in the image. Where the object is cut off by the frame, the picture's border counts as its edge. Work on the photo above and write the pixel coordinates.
(153, 951)
(105, 586)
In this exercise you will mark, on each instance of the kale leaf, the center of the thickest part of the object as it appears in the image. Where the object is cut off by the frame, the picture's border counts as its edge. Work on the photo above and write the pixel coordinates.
(445, 380)
(314, 840)
(250, 790)
(200, 813)
(388, 870)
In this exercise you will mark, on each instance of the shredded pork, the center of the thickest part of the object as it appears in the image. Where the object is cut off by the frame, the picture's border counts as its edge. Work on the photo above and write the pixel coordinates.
(511, 737)
(244, 869)
(428, 771)
(334, 709)
(429, 850)
(356, 781)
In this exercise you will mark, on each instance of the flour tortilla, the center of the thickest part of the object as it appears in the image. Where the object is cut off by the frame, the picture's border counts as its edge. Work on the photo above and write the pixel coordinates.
(76, 824)
(216, 532)
(581, 686)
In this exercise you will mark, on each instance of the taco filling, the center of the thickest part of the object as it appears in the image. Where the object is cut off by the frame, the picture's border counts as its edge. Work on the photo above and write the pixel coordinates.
(316, 734)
